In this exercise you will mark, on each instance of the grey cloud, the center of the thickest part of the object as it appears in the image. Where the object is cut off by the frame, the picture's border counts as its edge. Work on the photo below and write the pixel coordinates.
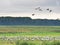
(12, 6)
(34, 3)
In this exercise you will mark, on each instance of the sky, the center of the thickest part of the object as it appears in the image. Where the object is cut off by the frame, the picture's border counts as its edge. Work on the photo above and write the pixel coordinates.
(25, 8)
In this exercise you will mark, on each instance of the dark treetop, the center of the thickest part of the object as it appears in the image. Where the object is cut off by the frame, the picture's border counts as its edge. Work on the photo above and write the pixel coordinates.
(28, 21)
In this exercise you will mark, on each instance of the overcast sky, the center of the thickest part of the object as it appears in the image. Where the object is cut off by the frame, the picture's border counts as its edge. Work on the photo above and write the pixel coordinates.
(27, 7)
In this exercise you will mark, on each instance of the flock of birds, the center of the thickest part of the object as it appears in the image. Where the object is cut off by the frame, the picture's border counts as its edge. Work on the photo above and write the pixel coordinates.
(39, 9)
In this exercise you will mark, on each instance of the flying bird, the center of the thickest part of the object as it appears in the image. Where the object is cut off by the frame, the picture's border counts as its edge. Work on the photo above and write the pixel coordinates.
(47, 9)
(33, 14)
(50, 11)
(37, 8)
(40, 10)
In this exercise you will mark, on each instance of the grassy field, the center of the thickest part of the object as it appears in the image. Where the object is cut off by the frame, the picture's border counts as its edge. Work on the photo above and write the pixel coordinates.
(29, 42)
(30, 30)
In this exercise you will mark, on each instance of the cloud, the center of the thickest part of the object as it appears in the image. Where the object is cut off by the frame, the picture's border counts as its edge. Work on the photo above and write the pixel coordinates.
(14, 6)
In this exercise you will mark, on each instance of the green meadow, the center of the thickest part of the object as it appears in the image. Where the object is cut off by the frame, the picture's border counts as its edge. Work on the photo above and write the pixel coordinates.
(29, 30)
(21, 42)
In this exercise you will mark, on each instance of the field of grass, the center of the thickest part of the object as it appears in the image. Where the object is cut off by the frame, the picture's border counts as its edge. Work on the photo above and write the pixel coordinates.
(29, 30)
(29, 42)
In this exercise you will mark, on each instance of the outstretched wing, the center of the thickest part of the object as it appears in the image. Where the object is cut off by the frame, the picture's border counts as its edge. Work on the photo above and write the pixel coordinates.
(47, 9)
(37, 8)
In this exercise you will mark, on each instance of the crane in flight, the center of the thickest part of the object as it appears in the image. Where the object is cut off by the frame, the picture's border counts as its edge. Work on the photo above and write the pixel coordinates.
(39, 9)
(49, 10)
(33, 14)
